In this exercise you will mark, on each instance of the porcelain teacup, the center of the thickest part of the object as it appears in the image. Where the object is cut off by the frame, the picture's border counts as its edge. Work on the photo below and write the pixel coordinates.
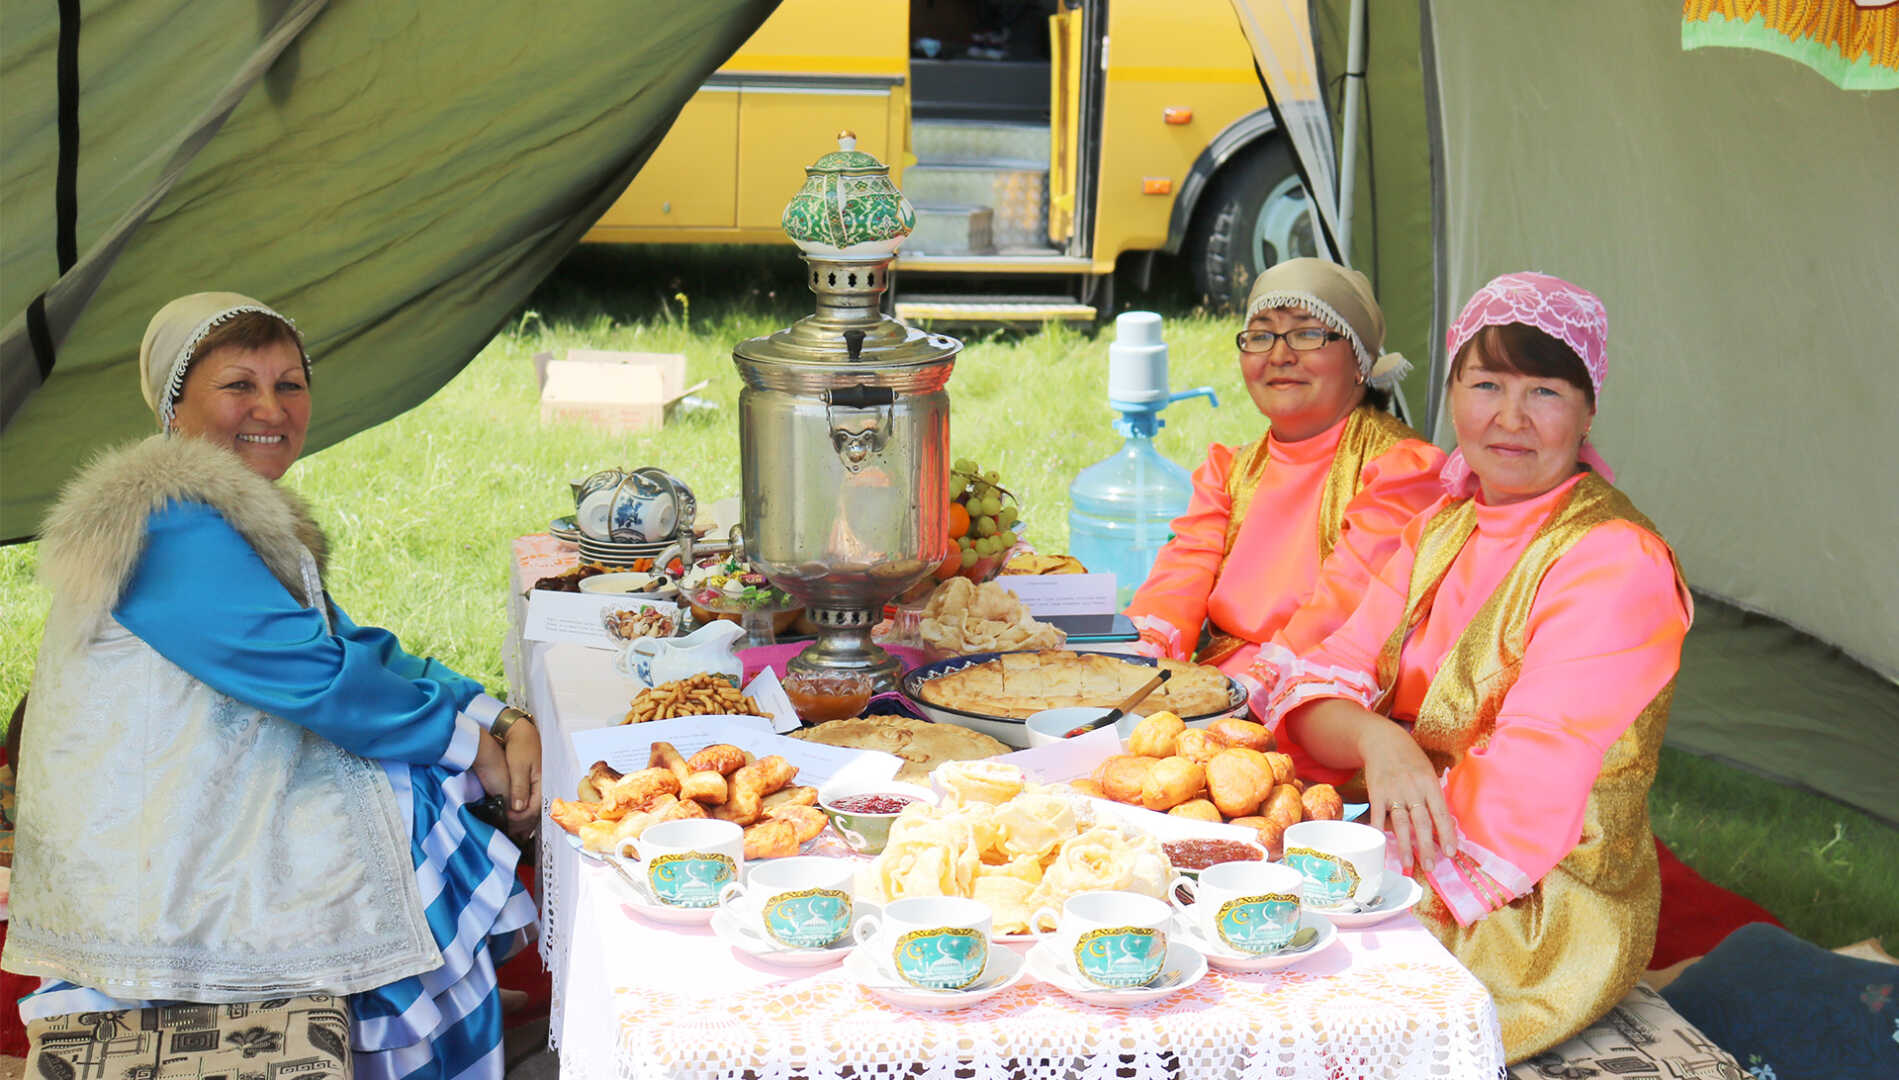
(687, 863)
(1109, 938)
(801, 902)
(934, 942)
(1250, 907)
(1343, 861)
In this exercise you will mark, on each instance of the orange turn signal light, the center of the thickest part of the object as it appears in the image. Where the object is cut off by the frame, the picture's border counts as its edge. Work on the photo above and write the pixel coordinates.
(1177, 114)
(1157, 185)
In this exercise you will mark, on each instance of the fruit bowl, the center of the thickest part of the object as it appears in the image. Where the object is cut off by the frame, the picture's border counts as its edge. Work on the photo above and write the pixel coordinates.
(984, 525)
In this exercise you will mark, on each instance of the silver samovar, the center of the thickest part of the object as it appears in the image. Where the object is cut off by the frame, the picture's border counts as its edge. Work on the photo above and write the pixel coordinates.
(844, 424)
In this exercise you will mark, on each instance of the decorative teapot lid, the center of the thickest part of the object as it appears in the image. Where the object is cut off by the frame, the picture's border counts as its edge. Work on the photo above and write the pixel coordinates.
(848, 207)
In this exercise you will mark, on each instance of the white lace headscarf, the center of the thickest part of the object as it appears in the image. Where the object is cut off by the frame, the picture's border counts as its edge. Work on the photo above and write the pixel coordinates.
(164, 356)
(1340, 298)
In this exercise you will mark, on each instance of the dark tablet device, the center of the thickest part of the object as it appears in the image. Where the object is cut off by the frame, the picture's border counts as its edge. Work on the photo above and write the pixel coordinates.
(1085, 628)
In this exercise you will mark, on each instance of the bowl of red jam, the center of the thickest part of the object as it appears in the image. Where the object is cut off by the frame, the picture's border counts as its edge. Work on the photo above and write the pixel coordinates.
(862, 813)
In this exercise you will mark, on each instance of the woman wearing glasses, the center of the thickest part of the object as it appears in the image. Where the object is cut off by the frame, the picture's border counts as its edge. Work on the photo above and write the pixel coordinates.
(1326, 491)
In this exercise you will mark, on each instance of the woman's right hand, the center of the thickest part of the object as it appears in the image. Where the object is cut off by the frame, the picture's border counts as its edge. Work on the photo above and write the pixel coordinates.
(1405, 795)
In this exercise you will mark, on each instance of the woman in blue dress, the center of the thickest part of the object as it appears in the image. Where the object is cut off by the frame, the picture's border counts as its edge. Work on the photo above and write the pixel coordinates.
(229, 793)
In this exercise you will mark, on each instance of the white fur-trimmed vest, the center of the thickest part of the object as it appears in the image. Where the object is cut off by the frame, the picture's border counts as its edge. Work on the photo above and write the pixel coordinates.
(174, 843)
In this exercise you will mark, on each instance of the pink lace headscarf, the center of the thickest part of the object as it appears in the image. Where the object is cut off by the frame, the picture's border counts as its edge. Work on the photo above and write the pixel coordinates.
(1569, 313)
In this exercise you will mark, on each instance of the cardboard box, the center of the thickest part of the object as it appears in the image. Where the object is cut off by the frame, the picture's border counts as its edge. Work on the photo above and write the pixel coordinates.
(619, 392)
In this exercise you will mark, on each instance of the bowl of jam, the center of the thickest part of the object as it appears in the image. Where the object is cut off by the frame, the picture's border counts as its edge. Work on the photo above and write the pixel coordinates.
(862, 813)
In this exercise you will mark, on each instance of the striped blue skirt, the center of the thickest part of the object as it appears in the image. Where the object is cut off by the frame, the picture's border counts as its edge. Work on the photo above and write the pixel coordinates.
(443, 1024)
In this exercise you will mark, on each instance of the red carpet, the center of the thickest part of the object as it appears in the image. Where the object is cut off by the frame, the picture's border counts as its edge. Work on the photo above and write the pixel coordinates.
(1696, 913)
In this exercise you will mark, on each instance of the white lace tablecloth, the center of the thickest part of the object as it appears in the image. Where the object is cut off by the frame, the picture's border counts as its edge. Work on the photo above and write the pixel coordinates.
(646, 1001)
(634, 1000)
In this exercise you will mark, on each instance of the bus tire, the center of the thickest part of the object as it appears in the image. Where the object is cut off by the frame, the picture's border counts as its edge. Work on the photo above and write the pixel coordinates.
(1252, 216)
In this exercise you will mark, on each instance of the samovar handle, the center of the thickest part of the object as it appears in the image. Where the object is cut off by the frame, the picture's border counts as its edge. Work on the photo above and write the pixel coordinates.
(855, 447)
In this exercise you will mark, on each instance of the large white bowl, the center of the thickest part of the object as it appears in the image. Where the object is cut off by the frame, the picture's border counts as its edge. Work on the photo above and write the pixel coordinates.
(1053, 725)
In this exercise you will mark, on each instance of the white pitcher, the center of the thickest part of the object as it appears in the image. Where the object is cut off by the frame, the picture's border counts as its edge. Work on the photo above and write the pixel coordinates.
(708, 649)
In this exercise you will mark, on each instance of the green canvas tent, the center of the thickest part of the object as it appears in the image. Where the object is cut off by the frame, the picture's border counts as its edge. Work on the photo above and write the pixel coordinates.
(1735, 210)
(396, 175)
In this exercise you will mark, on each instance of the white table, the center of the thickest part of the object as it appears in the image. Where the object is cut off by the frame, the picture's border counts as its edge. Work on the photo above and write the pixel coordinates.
(634, 1000)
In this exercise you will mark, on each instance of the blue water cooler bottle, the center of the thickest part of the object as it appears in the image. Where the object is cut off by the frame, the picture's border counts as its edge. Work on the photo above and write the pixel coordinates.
(1121, 509)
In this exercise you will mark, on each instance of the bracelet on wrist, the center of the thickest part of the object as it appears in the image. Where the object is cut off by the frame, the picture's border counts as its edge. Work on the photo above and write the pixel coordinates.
(507, 718)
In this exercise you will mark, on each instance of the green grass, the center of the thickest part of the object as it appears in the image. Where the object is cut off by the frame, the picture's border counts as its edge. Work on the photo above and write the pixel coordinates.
(421, 511)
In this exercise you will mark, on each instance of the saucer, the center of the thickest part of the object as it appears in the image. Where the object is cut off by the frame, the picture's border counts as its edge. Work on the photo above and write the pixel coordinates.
(1226, 958)
(761, 948)
(1003, 970)
(1184, 962)
(564, 529)
(1393, 900)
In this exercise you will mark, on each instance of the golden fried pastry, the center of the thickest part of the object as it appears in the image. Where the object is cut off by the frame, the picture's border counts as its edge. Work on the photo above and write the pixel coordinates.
(1322, 803)
(636, 788)
(665, 755)
(594, 785)
(571, 815)
(1197, 809)
(1238, 781)
(1239, 731)
(808, 820)
(1088, 787)
(723, 758)
(1019, 684)
(1197, 744)
(921, 744)
(1155, 735)
(1282, 767)
(1123, 776)
(771, 840)
(794, 795)
(683, 809)
(1172, 781)
(706, 785)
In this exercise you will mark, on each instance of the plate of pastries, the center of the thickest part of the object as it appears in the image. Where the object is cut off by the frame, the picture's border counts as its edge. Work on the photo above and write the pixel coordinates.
(995, 693)
(720, 781)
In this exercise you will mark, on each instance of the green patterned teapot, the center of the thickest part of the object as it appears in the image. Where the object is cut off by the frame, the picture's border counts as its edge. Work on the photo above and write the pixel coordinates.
(848, 206)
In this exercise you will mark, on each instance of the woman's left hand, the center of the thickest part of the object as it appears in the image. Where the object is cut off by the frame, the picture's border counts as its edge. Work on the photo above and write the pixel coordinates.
(523, 751)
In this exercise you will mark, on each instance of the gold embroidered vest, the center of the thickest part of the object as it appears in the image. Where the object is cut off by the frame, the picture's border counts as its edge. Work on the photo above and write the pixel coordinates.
(1369, 433)
(1562, 955)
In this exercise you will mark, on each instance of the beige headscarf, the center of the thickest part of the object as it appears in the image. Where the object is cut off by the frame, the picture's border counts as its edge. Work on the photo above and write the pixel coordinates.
(172, 335)
(1341, 299)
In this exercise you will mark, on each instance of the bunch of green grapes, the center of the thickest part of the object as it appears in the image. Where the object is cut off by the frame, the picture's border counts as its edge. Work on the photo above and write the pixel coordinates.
(988, 524)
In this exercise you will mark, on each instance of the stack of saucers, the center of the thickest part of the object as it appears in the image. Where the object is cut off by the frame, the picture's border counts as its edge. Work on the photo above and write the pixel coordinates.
(618, 555)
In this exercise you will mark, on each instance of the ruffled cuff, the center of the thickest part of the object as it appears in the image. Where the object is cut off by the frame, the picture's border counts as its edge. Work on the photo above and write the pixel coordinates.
(1475, 881)
(1159, 638)
(471, 724)
(1299, 681)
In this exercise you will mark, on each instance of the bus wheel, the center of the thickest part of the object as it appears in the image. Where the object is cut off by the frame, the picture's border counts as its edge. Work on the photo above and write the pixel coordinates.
(1255, 214)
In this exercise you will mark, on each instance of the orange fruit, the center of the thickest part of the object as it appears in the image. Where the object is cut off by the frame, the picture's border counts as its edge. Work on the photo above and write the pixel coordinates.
(950, 565)
(958, 520)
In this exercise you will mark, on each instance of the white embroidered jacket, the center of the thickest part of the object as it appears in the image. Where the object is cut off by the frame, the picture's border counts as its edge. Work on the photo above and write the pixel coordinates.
(174, 843)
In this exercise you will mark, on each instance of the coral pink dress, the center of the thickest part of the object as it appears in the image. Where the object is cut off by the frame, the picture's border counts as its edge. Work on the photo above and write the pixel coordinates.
(1605, 634)
(1260, 590)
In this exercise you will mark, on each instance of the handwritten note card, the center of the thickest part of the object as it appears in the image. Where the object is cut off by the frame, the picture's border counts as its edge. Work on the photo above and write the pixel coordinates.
(581, 617)
(1063, 594)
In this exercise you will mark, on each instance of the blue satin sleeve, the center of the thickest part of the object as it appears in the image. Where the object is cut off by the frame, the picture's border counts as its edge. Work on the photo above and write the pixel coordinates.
(393, 656)
(204, 599)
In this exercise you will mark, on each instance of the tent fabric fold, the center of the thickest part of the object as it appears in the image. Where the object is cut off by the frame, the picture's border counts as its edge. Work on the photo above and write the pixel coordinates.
(395, 176)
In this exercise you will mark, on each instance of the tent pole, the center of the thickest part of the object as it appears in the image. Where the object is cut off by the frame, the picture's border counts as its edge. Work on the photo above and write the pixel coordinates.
(1348, 154)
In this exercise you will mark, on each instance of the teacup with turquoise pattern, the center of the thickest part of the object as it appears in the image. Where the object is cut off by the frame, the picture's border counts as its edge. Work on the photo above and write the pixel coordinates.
(801, 902)
(1109, 938)
(686, 863)
(932, 942)
(1250, 907)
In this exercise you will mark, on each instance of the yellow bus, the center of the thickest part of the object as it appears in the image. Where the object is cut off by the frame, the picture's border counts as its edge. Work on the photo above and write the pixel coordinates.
(1039, 140)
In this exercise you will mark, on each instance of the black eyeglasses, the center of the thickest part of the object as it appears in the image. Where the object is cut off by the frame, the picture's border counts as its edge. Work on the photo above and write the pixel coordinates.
(1304, 339)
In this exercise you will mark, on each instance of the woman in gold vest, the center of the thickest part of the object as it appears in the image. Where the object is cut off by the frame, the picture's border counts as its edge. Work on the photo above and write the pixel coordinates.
(1324, 492)
(1501, 688)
